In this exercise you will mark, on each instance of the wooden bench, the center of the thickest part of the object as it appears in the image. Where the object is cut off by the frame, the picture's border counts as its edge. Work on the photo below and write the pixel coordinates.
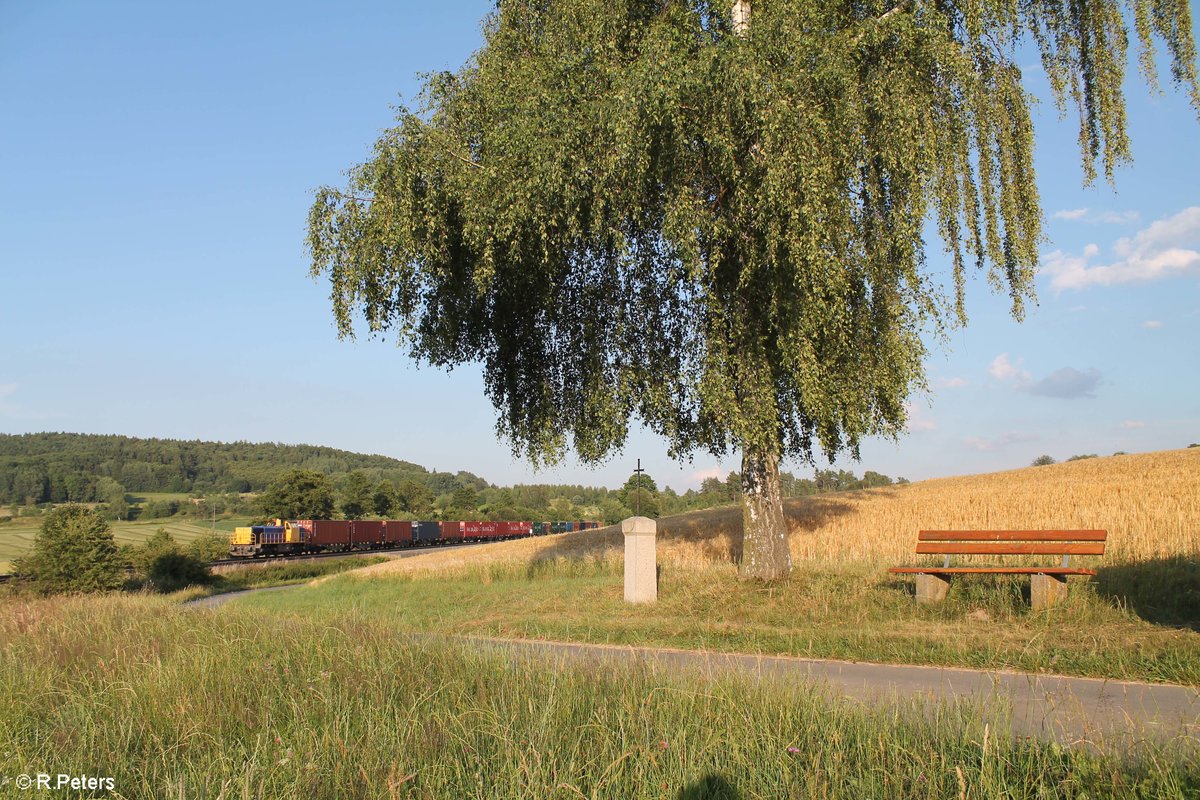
(1048, 584)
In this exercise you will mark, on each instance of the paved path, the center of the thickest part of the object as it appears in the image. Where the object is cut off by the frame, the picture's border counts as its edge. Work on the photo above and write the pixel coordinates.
(1075, 711)
(1064, 709)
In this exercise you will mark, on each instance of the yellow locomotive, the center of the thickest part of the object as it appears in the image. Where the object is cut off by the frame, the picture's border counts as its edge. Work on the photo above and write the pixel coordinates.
(279, 538)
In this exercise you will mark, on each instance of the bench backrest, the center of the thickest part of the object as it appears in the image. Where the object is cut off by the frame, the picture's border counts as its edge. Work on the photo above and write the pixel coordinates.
(1012, 543)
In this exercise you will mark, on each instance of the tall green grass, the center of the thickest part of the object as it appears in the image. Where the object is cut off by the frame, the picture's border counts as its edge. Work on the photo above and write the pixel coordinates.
(181, 704)
(853, 612)
(260, 577)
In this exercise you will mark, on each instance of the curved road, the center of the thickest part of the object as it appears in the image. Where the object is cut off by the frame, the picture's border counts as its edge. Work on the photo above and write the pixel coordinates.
(1102, 714)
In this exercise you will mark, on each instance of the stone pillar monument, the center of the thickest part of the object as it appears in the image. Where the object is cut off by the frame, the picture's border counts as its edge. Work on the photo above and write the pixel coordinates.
(641, 565)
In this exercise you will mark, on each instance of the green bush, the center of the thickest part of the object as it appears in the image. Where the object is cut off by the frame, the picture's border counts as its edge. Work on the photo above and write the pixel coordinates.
(176, 570)
(167, 568)
(74, 551)
(160, 509)
(209, 547)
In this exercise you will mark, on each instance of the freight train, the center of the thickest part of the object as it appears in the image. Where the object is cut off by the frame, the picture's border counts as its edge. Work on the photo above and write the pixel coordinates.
(297, 537)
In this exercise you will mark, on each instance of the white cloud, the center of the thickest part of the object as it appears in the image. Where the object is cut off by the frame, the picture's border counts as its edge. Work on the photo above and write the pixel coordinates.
(700, 476)
(1152, 323)
(1116, 217)
(7, 388)
(1167, 248)
(917, 421)
(1067, 383)
(951, 383)
(1130, 424)
(1004, 440)
(1098, 217)
(1002, 370)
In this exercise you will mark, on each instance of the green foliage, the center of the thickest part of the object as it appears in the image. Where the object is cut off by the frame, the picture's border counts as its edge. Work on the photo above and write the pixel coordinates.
(159, 509)
(747, 211)
(209, 547)
(154, 547)
(299, 494)
(874, 480)
(383, 498)
(68, 467)
(73, 551)
(465, 498)
(614, 510)
(175, 570)
(640, 493)
(356, 495)
(1082, 457)
(1043, 461)
(415, 498)
(165, 567)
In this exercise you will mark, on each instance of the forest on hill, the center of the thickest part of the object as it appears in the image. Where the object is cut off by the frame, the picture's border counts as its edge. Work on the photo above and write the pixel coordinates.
(72, 467)
(248, 479)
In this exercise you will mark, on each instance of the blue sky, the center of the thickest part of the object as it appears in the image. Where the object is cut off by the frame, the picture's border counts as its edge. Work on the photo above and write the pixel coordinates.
(157, 161)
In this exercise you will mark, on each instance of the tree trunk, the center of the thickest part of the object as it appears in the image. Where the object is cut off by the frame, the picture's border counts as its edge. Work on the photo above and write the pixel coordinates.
(740, 15)
(765, 551)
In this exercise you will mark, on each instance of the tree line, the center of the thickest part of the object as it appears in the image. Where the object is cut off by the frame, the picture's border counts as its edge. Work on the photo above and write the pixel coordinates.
(306, 494)
(85, 468)
(265, 481)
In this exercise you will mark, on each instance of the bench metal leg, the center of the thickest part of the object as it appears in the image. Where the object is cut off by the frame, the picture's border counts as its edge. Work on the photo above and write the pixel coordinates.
(1046, 590)
(932, 588)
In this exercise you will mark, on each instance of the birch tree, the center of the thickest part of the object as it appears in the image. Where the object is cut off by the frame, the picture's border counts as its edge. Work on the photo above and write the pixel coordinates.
(710, 217)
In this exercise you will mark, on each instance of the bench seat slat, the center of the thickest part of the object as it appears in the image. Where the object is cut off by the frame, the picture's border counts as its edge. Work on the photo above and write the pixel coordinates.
(1011, 548)
(991, 570)
(1012, 536)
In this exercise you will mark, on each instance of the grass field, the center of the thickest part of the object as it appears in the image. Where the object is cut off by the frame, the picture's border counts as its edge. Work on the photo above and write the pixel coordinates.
(16, 537)
(824, 611)
(261, 577)
(146, 497)
(1138, 619)
(175, 703)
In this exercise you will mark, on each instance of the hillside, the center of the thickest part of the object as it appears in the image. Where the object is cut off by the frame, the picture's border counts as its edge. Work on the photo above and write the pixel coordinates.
(57, 467)
(1149, 503)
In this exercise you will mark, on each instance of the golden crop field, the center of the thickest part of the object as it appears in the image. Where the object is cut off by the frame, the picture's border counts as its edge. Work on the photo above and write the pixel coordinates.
(1149, 503)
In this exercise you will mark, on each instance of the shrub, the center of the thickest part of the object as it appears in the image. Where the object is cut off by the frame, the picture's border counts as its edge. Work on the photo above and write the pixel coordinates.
(209, 547)
(165, 567)
(74, 551)
(1043, 461)
(159, 509)
(171, 571)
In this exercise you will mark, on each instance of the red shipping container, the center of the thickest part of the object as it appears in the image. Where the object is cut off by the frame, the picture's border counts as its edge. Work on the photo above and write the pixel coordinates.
(397, 531)
(516, 528)
(366, 532)
(452, 530)
(331, 532)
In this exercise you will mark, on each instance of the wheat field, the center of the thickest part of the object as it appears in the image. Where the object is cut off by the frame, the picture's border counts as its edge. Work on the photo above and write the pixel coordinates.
(1149, 503)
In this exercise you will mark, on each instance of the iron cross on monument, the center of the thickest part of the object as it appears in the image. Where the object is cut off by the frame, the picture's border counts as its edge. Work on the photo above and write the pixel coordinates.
(638, 472)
